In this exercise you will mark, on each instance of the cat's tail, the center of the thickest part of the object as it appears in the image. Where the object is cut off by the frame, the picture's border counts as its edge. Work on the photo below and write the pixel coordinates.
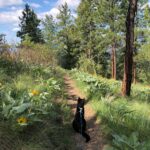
(85, 135)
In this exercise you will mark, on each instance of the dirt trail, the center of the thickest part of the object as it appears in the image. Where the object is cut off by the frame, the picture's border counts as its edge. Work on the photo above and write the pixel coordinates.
(97, 141)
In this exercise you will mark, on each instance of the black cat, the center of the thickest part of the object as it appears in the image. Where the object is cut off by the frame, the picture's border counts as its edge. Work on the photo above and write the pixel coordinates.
(79, 123)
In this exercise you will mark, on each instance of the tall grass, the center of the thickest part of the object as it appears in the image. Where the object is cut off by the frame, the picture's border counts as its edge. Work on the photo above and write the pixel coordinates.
(119, 116)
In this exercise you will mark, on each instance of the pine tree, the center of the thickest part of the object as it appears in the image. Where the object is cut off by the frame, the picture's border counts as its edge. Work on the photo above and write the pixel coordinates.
(87, 28)
(49, 31)
(29, 24)
(147, 16)
(67, 42)
(102, 31)
(89, 31)
(141, 34)
(4, 46)
(141, 58)
(2, 39)
(128, 61)
(111, 16)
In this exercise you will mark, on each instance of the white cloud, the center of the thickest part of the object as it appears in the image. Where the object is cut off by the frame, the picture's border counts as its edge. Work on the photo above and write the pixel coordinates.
(46, 1)
(10, 17)
(71, 3)
(15, 29)
(54, 12)
(13, 8)
(4, 3)
(15, 24)
(35, 5)
(74, 15)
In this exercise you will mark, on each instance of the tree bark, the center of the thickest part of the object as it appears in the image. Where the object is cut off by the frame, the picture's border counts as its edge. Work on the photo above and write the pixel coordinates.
(128, 60)
(113, 65)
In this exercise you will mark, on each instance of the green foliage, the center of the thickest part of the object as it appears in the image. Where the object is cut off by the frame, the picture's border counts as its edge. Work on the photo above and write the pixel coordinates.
(23, 82)
(146, 16)
(122, 116)
(119, 116)
(87, 27)
(86, 65)
(64, 16)
(130, 143)
(2, 39)
(30, 103)
(94, 84)
(29, 25)
(143, 62)
(32, 110)
(49, 31)
(4, 47)
(16, 92)
(101, 27)
(27, 42)
(141, 92)
(67, 41)
(10, 69)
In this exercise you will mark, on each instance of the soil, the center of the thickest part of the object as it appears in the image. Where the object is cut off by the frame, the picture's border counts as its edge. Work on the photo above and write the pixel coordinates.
(93, 125)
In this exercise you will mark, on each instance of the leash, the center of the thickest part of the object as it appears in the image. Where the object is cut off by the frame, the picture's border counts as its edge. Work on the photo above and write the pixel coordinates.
(81, 118)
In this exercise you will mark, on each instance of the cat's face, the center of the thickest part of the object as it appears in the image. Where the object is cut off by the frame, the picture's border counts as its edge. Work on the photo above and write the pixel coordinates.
(80, 102)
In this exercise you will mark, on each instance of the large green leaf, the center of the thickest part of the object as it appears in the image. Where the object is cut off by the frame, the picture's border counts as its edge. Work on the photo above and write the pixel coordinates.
(21, 108)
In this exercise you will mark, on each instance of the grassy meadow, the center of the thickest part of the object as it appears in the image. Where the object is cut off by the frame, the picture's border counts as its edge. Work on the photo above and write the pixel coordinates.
(124, 120)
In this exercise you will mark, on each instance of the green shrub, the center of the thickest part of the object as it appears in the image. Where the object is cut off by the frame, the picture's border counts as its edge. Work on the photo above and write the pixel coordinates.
(28, 99)
(101, 86)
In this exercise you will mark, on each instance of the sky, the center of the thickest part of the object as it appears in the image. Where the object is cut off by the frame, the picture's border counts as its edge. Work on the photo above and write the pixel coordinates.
(10, 10)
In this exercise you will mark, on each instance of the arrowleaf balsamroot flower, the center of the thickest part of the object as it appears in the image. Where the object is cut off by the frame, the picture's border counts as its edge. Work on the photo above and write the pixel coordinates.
(22, 120)
(35, 92)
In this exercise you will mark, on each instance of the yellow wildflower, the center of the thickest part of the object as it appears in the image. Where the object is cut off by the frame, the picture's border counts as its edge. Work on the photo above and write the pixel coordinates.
(22, 120)
(35, 92)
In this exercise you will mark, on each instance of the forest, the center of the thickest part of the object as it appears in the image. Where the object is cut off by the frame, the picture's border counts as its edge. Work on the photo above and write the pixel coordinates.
(100, 52)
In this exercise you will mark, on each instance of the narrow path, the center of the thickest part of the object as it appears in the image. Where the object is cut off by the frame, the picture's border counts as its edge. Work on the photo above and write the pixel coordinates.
(93, 127)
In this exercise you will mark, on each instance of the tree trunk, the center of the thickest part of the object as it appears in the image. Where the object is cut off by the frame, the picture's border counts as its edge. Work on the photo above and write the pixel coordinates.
(113, 65)
(128, 60)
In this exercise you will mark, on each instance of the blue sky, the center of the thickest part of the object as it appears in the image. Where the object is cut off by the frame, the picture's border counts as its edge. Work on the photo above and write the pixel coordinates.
(10, 10)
